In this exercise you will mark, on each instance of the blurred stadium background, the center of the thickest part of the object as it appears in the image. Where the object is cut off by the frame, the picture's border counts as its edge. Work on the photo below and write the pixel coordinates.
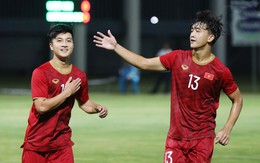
(24, 46)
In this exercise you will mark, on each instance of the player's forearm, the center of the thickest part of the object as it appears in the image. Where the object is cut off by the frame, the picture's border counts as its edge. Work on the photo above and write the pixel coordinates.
(46, 105)
(89, 107)
(130, 57)
(234, 113)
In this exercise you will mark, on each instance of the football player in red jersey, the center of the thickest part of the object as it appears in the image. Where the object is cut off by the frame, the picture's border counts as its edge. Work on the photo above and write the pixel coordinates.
(55, 87)
(198, 77)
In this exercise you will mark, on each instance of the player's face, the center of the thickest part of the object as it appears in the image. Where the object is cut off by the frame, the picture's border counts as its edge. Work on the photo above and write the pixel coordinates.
(199, 36)
(62, 46)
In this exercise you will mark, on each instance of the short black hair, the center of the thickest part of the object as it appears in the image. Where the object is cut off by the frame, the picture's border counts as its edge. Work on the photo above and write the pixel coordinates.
(57, 29)
(213, 23)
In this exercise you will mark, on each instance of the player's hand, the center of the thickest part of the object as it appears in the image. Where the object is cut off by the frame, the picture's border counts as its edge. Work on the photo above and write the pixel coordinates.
(102, 111)
(72, 86)
(222, 137)
(108, 42)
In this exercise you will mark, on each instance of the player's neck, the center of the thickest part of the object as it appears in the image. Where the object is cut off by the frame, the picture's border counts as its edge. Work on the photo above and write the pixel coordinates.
(64, 67)
(202, 56)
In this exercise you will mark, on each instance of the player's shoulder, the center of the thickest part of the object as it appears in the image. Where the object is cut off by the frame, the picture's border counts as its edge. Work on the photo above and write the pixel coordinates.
(220, 67)
(43, 67)
(78, 71)
(183, 54)
(180, 52)
(219, 63)
(75, 68)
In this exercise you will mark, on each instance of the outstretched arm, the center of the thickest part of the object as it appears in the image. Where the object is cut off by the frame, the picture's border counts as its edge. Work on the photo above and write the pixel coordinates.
(223, 135)
(109, 42)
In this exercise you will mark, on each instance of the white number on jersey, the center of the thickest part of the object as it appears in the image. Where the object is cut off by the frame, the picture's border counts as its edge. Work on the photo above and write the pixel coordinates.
(62, 87)
(193, 83)
(168, 157)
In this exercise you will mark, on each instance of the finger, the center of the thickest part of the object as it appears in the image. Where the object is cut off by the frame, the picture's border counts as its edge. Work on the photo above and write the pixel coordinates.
(102, 112)
(109, 33)
(101, 34)
(69, 80)
(225, 141)
(97, 38)
(78, 80)
(98, 43)
(97, 110)
(222, 143)
(77, 83)
(103, 115)
(217, 139)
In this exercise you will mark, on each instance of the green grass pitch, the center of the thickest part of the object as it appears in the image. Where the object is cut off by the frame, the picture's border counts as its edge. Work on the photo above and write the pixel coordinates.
(134, 131)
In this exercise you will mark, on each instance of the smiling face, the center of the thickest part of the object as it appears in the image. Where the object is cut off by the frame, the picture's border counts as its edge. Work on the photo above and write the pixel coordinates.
(62, 45)
(200, 36)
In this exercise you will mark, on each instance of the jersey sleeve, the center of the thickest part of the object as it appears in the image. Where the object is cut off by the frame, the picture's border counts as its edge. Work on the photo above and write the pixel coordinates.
(228, 84)
(83, 96)
(39, 84)
(168, 59)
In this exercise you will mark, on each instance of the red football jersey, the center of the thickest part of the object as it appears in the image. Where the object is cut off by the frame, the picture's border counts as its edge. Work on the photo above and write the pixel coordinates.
(51, 130)
(195, 92)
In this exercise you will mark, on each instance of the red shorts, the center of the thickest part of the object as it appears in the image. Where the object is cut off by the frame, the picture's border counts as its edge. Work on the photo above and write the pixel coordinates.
(63, 155)
(191, 151)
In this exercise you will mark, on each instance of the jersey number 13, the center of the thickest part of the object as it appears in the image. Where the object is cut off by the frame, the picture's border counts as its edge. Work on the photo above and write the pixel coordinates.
(193, 82)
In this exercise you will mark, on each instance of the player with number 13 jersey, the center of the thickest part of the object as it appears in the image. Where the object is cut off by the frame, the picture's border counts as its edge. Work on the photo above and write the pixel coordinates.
(199, 82)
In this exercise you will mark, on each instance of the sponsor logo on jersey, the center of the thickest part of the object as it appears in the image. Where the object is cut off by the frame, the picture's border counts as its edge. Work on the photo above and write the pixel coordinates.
(208, 76)
(184, 67)
(55, 81)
